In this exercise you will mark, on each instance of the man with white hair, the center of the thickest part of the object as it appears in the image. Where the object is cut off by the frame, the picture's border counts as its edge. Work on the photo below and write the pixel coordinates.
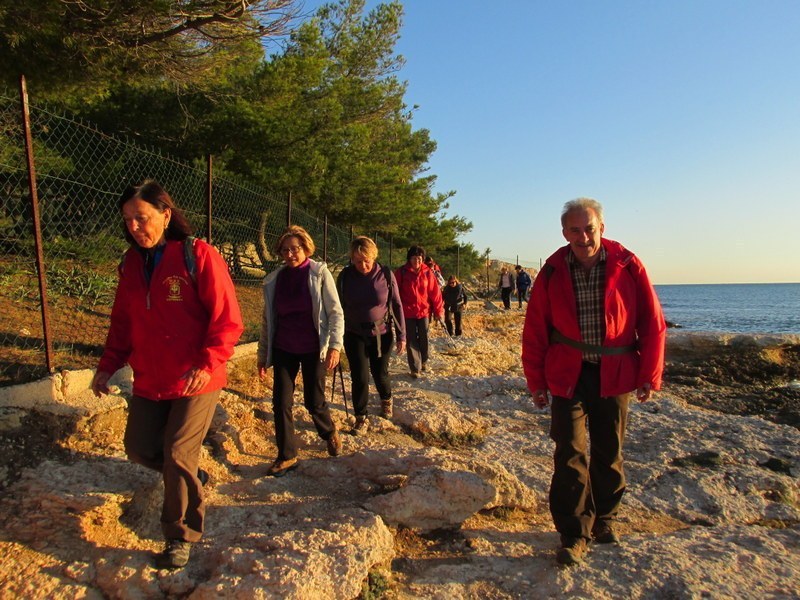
(594, 334)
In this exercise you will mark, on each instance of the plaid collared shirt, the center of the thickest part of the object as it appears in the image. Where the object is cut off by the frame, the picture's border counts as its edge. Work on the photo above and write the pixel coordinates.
(589, 288)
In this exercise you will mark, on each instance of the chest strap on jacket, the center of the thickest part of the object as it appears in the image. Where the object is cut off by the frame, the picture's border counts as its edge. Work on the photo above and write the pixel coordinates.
(556, 337)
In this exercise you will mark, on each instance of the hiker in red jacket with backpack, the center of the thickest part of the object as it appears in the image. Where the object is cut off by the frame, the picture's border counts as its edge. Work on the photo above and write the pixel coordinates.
(594, 335)
(421, 297)
(176, 325)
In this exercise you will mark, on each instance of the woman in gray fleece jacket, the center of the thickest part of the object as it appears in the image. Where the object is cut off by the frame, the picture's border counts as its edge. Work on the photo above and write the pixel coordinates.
(302, 328)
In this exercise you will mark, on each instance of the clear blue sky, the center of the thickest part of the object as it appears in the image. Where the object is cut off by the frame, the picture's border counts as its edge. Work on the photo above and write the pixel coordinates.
(681, 117)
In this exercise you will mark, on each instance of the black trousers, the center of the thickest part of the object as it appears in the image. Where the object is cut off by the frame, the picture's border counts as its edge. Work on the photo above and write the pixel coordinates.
(505, 294)
(285, 367)
(588, 484)
(417, 343)
(521, 293)
(448, 321)
(362, 354)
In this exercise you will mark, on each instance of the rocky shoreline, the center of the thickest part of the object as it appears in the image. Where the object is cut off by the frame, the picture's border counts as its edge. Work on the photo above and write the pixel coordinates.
(446, 501)
(738, 374)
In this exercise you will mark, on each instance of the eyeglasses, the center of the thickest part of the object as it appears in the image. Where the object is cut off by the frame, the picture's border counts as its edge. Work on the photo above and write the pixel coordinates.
(291, 250)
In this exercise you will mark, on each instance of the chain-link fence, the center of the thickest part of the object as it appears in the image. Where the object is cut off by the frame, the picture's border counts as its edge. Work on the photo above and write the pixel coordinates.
(79, 175)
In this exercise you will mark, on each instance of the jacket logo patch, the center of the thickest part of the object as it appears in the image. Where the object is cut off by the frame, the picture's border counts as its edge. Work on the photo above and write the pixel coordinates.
(174, 286)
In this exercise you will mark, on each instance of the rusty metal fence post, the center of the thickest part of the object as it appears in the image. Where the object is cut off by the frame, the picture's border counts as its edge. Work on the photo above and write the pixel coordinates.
(209, 189)
(37, 227)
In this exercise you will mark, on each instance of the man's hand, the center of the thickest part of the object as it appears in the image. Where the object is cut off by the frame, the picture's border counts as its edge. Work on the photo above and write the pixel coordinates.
(540, 398)
(262, 370)
(643, 393)
(196, 380)
(100, 383)
(331, 359)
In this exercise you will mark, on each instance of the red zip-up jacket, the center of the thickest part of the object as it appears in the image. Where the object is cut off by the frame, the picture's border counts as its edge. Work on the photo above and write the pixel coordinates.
(166, 328)
(420, 294)
(632, 316)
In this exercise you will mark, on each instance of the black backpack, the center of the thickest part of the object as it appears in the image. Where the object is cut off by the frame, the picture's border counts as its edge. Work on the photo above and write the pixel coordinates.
(388, 317)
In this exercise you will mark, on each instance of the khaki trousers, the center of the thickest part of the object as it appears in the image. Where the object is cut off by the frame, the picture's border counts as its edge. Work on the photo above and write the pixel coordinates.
(167, 436)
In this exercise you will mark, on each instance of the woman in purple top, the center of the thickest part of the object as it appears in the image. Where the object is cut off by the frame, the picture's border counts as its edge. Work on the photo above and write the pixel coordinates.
(301, 329)
(372, 315)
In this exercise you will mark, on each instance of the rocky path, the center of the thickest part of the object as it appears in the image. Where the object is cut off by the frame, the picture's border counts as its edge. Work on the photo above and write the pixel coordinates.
(448, 500)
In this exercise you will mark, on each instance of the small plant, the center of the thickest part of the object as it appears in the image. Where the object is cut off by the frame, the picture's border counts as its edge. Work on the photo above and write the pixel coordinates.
(448, 439)
(375, 585)
(87, 286)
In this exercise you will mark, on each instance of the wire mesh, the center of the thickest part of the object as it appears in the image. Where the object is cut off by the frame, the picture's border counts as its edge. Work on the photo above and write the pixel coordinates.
(80, 173)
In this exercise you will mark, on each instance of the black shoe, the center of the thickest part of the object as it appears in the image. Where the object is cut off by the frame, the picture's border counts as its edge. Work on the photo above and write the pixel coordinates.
(175, 555)
(202, 476)
(572, 551)
(603, 533)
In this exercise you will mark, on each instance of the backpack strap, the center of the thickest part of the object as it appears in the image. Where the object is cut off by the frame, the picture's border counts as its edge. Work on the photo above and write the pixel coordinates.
(189, 257)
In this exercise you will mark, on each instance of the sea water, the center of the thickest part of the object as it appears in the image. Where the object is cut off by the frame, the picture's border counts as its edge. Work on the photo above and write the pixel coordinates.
(733, 308)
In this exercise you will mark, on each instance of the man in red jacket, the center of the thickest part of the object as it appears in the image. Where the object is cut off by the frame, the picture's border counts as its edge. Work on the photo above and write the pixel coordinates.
(594, 334)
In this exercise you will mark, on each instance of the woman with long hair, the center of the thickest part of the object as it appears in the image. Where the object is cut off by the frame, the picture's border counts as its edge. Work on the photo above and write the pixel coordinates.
(176, 325)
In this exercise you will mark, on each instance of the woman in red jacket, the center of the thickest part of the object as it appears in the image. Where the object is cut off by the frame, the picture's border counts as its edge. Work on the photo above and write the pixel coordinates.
(176, 325)
(421, 298)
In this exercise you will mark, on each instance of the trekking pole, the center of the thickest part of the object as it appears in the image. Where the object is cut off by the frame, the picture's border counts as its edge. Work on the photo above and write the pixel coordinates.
(448, 336)
(344, 394)
(333, 386)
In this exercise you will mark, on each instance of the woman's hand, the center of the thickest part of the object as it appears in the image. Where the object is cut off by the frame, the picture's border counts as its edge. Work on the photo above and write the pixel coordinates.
(331, 359)
(196, 380)
(643, 393)
(262, 370)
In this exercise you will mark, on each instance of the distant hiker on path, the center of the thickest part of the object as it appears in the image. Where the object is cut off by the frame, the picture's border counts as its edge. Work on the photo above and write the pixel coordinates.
(594, 334)
(454, 302)
(437, 270)
(523, 284)
(506, 285)
(301, 330)
(175, 321)
(422, 300)
(373, 315)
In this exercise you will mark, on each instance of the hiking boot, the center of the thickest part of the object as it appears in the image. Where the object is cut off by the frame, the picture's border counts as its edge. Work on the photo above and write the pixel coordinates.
(603, 533)
(572, 551)
(281, 467)
(174, 556)
(414, 374)
(334, 444)
(386, 408)
(203, 477)
(361, 425)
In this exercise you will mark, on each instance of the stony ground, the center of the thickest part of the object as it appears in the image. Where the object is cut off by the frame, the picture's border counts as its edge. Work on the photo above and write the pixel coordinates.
(712, 510)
